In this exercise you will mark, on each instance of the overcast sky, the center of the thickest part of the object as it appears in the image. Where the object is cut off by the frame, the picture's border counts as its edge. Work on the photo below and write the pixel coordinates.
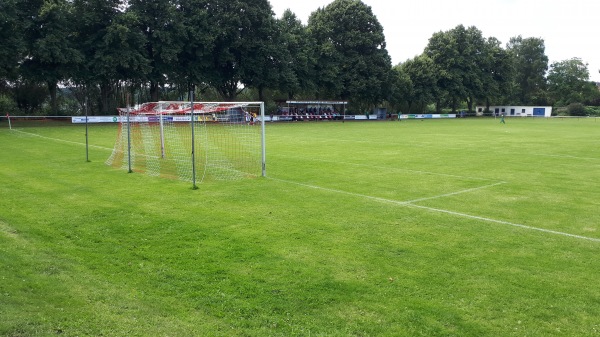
(569, 28)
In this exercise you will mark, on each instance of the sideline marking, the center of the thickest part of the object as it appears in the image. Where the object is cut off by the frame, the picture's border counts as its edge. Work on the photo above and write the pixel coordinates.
(410, 203)
(82, 144)
(389, 201)
(62, 140)
(566, 156)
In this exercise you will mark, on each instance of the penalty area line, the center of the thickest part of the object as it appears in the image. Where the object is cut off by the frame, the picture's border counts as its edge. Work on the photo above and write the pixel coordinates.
(455, 193)
(410, 203)
(504, 222)
(389, 201)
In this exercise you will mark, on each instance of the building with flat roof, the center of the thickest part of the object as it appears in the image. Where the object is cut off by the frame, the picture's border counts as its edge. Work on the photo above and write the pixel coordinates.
(516, 110)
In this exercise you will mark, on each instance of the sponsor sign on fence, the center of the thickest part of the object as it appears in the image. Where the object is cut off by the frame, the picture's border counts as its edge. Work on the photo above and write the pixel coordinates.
(95, 119)
(427, 116)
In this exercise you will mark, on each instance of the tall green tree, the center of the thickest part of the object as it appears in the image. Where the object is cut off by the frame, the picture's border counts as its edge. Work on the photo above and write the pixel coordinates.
(52, 53)
(352, 59)
(530, 65)
(164, 34)
(401, 89)
(423, 81)
(497, 75)
(460, 57)
(263, 62)
(242, 49)
(568, 81)
(13, 22)
(592, 94)
(29, 95)
(195, 59)
(112, 47)
(298, 62)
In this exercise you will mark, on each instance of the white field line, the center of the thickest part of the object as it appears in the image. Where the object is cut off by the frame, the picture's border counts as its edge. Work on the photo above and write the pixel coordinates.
(398, 169)
(62, 140)
(410, 203)
(455, 193)
(566, 156)
(505, 223)
(83, 144)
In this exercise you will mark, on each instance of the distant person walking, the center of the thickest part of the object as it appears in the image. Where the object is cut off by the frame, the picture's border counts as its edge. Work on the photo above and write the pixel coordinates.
(502, 119)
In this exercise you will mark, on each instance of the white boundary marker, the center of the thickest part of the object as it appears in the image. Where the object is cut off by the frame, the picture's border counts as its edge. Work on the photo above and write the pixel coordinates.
(506, 223)
(410, 203)
(78, 143)
(566, 156)
(455, 193)
(61, 140)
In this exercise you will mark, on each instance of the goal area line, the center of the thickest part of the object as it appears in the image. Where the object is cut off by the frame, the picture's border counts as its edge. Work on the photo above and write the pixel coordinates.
(411, 203)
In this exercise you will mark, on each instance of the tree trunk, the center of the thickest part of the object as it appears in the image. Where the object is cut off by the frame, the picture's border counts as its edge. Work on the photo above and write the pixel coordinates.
(106, 106)
(438, 106)
(470, 104)
(261, 93)
(228, 91)
(454, 103)
(52, 89)
(154, 91)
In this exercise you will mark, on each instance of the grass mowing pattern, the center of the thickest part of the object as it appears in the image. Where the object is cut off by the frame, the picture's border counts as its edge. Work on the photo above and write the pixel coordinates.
(315, 249)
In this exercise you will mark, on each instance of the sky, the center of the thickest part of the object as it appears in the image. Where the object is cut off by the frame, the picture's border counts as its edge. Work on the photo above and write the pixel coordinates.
(569, 28)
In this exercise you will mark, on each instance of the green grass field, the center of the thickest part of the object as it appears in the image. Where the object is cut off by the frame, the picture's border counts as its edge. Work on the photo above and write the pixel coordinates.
(414, 228)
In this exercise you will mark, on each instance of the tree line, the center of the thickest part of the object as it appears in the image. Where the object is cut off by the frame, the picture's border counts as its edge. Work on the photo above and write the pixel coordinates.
(64, 56)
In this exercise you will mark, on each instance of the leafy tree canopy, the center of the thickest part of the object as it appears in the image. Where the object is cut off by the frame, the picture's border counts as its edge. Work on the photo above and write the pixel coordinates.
(461, 56)
(567, 81)
(531, 64)
(13, 44)
(352, 61)
(298, 60)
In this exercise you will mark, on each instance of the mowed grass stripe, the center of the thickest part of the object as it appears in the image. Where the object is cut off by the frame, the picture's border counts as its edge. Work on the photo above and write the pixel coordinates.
(103, 252)
(411, 203)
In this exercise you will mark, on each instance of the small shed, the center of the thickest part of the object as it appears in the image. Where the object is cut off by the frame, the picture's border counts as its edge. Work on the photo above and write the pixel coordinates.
(517, 110)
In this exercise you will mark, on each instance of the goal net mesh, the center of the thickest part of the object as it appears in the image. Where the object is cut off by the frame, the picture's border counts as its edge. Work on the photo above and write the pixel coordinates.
(224, 141)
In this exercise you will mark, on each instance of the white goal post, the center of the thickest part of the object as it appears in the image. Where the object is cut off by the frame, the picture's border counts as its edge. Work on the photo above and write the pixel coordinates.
(192, 141)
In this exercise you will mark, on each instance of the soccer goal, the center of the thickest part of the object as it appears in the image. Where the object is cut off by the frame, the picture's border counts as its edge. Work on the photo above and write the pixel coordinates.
(192, 141)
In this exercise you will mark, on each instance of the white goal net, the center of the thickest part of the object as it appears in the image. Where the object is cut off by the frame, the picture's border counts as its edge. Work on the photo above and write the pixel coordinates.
(192, 141)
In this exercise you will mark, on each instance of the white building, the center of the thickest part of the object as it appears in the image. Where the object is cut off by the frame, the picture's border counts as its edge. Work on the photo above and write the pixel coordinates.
(521, 111)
